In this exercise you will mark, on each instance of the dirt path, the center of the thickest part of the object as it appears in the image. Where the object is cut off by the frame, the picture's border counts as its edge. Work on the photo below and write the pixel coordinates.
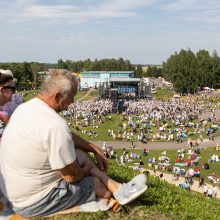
(208, 114)
(156, 145)
(86, 95)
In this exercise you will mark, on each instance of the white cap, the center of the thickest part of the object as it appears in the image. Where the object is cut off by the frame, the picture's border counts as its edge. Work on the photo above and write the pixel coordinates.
(9, 73)
(6, 72)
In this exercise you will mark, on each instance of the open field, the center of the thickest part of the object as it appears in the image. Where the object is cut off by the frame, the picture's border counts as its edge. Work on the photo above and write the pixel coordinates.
(32, 93)
(164, 94)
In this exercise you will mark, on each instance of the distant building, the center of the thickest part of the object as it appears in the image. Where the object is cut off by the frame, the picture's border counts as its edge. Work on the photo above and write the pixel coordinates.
(41, 75)
(145, 67)
(92, 79)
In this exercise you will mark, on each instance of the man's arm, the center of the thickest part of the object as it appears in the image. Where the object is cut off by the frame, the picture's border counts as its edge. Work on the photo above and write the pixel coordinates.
(74, 172)
(89, 147)
(4, 117)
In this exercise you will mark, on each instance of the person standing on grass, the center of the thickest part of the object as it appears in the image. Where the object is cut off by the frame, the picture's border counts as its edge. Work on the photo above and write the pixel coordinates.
(214, 191)
(209, 192)
(45, 168)
(201, 181)
(205, 189)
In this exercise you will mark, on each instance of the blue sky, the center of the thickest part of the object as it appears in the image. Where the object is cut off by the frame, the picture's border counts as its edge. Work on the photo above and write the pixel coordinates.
(143, 31)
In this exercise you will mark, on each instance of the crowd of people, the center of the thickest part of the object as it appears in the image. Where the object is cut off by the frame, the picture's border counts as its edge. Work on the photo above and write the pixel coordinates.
(160, 83)
(146, 120)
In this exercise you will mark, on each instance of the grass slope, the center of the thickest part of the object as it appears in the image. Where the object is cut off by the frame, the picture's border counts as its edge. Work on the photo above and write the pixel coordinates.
(161, 201)
(32, 93)
(163, 94)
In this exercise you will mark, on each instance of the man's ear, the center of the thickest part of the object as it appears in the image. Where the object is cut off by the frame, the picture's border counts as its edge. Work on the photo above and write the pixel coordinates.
(1, 89)
(58, 96)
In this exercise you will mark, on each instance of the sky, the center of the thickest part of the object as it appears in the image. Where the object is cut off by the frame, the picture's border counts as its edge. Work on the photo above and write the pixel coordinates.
(142, 31)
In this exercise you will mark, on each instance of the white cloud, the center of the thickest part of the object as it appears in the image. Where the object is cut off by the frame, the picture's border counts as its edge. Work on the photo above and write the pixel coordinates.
(25, 11)
(124, 5)
(69, 12)
(195, 10)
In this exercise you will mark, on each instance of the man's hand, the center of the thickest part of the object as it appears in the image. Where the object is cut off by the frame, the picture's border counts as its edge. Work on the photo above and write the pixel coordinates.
(72, 172)
(101, 160)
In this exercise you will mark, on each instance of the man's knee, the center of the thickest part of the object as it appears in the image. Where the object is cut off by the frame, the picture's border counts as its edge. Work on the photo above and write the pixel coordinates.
(82, 157)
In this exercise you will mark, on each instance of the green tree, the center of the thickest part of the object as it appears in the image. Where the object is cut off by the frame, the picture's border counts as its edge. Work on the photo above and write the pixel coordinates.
(35, 68)
(149, 72)
(61, 64)
(139, 71)
(181, 70)
(216, 69)
(154, 71)
(204, 68)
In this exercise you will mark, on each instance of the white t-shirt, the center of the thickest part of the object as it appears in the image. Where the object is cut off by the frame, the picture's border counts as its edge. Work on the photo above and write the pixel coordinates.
(36, 143)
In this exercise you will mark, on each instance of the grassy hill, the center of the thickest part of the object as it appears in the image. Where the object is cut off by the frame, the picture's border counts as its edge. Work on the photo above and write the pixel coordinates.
(32, 93)
(161, 201)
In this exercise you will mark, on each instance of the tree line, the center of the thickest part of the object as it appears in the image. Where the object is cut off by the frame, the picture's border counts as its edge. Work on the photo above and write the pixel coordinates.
(96, 65)
(27, 72)
(188, 71)
(185, 69)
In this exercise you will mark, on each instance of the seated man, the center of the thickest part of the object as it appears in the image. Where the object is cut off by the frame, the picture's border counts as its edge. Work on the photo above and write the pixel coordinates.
(44, 167)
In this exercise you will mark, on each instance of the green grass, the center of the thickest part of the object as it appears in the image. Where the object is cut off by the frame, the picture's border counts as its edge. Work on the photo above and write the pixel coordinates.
(164, 94)
(102, 130)
(32, 93)
(80, 94)
(92, 95)
(160, 201)
(29, 94)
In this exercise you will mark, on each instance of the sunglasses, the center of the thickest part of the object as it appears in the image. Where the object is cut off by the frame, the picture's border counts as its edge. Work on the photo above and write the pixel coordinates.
(9, 87)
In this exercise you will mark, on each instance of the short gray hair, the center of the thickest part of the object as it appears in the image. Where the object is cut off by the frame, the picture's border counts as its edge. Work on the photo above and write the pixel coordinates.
(58, 79)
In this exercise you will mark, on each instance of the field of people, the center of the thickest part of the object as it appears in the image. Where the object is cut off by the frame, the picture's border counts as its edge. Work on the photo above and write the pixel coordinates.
(166, 160)
(189, 118)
